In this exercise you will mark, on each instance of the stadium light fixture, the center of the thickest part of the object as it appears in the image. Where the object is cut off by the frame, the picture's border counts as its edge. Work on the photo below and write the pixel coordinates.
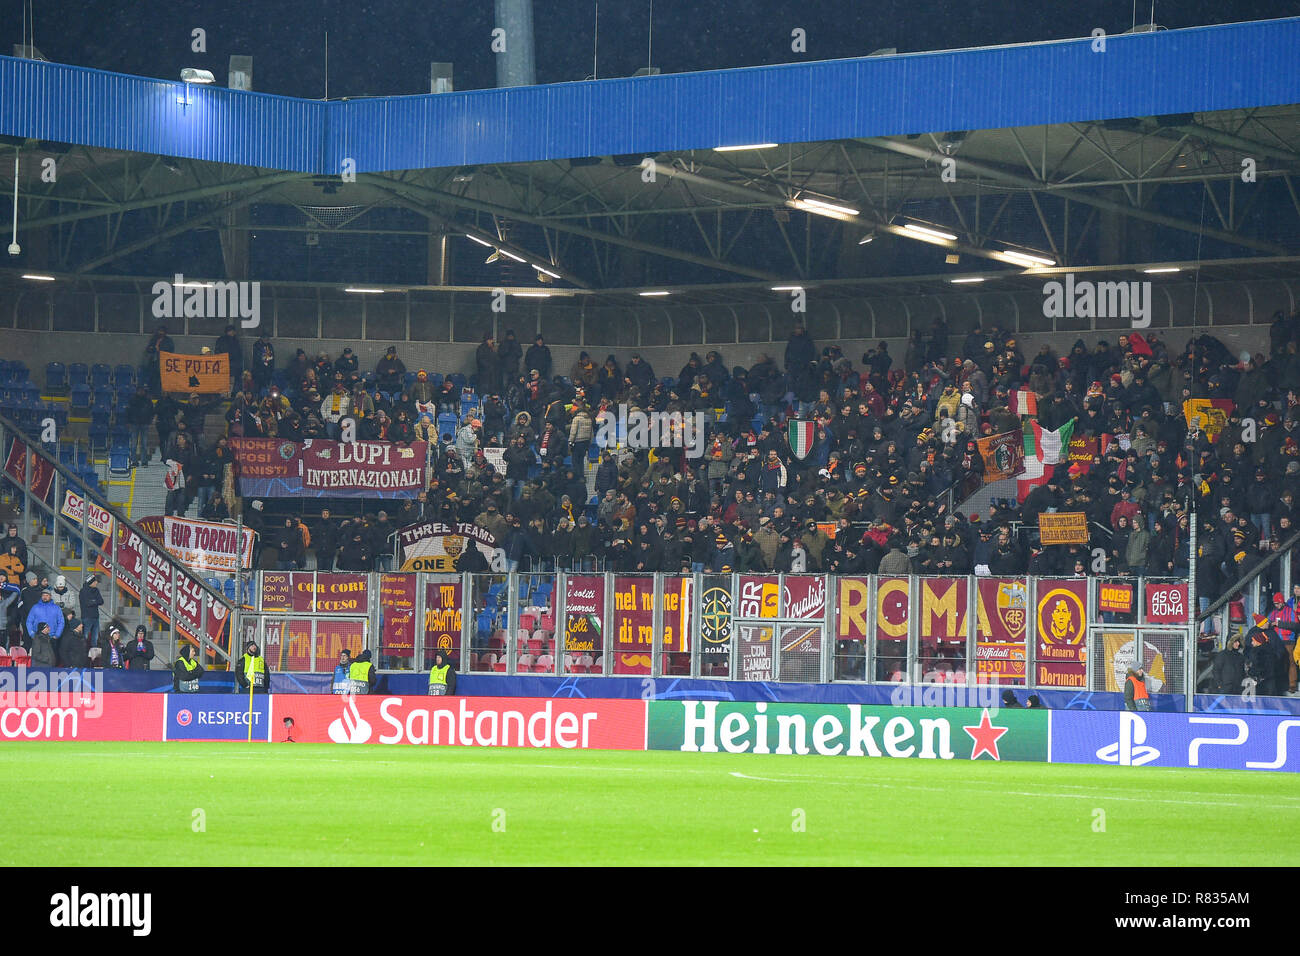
(37, 278)
(654, 292)
(735, 149)
(362, 290)
(1017, 258)
(511, 255)
(968, 279)
(869, 237)
(545, 271)
(481, 242)
(821, 207)
(787, 288)
(494, 257)
(193, 75)
(532, 295)
(1161, 269)
(927, 234)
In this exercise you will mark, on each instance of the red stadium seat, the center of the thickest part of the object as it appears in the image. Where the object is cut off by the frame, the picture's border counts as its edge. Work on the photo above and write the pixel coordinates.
(5, 659)
(500, 667)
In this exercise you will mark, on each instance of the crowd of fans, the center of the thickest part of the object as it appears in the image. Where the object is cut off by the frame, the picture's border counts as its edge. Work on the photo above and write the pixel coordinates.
(893, 436)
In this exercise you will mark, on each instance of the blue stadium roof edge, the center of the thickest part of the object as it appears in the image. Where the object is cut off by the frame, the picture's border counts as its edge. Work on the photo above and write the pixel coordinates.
(1198, 69)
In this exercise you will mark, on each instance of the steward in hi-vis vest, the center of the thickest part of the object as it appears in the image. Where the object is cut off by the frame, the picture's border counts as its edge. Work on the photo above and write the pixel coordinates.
(442, 676)
(252, 670)
(186, 672)
(341, 683)
(362, 674)
(1135, 690)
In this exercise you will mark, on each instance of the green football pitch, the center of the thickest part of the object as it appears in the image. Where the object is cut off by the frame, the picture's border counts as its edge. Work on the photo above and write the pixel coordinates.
(131, 804)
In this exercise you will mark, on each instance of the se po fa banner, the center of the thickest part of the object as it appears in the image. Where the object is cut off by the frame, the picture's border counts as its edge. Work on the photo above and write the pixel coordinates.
(204, 374)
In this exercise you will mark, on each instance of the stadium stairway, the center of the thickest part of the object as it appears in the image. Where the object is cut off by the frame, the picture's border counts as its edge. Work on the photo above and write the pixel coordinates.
(979, 502)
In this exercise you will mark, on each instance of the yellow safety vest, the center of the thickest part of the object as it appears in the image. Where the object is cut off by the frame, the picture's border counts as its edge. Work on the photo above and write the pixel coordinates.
(438, 675)
(188, 684)
(254, 670)
(359, 676)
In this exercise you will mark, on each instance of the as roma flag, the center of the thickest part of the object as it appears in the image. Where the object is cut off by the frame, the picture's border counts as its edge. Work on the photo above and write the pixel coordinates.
(1004, 455)
(801, 434)
(205, 374)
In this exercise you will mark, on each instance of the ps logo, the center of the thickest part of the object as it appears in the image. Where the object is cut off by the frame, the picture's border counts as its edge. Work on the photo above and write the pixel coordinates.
(1131, 749)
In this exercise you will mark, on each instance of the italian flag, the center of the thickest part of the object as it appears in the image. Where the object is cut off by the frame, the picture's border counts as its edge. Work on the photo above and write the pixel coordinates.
(1023, 403)
(1043, 451)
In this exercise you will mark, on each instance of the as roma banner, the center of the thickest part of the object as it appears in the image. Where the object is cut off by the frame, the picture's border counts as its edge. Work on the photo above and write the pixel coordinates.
(715, 618)
(1002, 612)
(289, 642)
(1061, 626)
(267, 467)
(205, 374)
(273, 468)
(435, 546)
(1209, 414)
(1120, 651)
(584, 615)
(308, 593)
(42, 472)
(397, 616)
(442, 617)
(801, 434)
(1004, 455)
(804, 597)
(1115, 597)
(1166, 603)
(208, 545)
(1083, 452)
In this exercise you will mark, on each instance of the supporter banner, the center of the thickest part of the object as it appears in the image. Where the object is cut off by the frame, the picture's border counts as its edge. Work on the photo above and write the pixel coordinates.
(584, 614)
(1166, 603)
(1002, 611)
(397, 615)
(634, 602)
(104, 716)
(715, 618)
(854, 730)
(434, 546)
(86, 512)
(1063, 527)
(496, 457)
(1238, 742)
(442, 618)
(1004, 455)
(288, 642)
(754, 648)
(804, 598)
(893, 605)
(758, 596)
(363, 469)
(273, 468)
(157, 586)
(1062, 622)
(308, 593)
(217, 717)
(1116, 598)
(679, 604)
(208, 545)
(944, 604)
(42, 470)
(1083, 452)
(1120, 652)
(1209, 414)
(569, 724)
(205, 374)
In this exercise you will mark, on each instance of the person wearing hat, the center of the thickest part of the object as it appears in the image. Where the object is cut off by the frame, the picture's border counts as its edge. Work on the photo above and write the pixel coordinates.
(186, 671)
(90, 601)
(139, 653)
(538, 357)
(362, 676)
(48, 613)
(390, 372)
(112, 654)
(252, 669)
(73, 646)
(442, 676)
(44, 653)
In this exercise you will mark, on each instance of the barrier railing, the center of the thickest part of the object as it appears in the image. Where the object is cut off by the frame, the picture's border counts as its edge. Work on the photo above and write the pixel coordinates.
(1032, 632)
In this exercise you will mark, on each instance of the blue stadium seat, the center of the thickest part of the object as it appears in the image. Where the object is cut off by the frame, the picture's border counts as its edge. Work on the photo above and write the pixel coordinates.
(408, 380)
(458, 379)
(32, 393)
(58, 412)
(101, 415)
(119, 459)
(78, 374)
(100, 376)
(98, 437)
(18, 372)
(67, 454)
(103, 395)
(79, 402)
(436, 380)
(56, 376)
(124, 376)
(120, 435)
(447, 424)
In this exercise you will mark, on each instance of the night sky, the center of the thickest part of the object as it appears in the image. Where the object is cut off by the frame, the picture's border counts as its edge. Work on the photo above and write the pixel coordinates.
(384, 47)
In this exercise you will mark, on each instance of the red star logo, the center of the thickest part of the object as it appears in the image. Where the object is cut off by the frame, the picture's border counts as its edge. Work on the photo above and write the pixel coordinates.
(985, 736)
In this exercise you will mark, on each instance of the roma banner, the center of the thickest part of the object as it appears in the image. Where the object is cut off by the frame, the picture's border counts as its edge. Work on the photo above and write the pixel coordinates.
(1208, 414)
(715, 620)
(275, 468)
(153, 579)
(1120, 651)
(801, 434)
(1166, 603)
(85, 512)
(943, 610)
(1083, 452)
(307, 592)
(1063, 527)
(584, 615)
(204, 374)
(397, 617)
(1004, 455)
(442, 617)
(42, 470)
(208, 545)
(634, 611)
(1002, 613)
(1115, 597)
(435, 546)
(289, 643)
(1061, 626)
(804, 597)
(758, 596)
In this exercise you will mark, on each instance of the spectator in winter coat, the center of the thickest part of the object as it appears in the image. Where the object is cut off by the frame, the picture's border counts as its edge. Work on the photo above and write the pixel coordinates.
(1230, 668)
(43, 649)
(12, 565)
(90, 601)
(48, 613)
(139, 653)
(390, 372)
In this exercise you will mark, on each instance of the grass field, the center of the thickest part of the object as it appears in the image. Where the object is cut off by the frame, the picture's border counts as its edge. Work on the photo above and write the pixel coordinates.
(136, 804)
